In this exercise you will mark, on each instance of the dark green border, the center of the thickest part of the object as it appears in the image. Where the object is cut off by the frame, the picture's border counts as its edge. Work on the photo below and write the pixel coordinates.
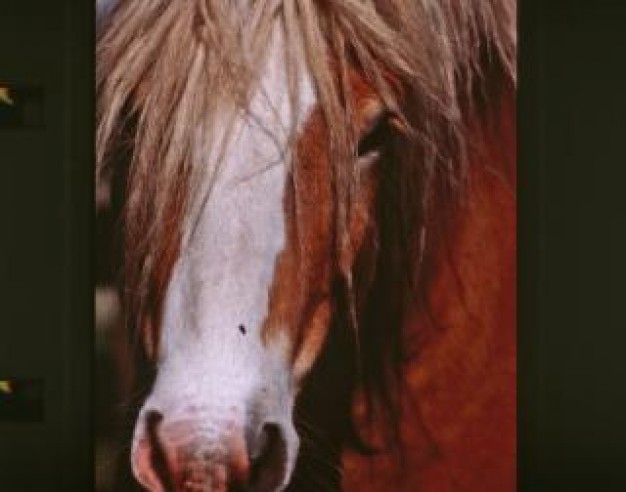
(46, 210)
(572, 244)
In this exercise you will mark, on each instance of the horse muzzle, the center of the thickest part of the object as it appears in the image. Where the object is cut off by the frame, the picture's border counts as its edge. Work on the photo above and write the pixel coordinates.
(187, 455)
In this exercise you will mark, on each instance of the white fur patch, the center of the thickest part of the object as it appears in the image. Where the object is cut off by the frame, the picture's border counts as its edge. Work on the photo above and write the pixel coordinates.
(212, 361)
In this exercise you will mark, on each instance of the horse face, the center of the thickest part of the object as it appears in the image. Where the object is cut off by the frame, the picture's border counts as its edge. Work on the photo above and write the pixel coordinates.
(248, 303)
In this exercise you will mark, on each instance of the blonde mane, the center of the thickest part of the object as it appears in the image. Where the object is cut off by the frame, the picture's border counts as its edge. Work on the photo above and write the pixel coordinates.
(165, 66)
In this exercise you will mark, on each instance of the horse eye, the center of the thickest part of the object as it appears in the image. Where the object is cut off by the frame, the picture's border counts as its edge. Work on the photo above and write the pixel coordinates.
(375, 138)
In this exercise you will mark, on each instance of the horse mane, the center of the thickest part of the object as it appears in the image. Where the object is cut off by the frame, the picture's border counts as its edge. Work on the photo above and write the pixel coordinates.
(165, 69)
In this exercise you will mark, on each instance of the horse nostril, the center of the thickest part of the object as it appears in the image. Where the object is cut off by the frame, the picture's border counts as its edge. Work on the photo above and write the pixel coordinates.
(269, 467)
(170, 455)
(158, 458)
(153, 419)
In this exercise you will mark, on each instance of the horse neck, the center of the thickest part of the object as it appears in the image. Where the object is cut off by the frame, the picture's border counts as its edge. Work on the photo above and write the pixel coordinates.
(471, 256)
(460, 387)
(466, 373)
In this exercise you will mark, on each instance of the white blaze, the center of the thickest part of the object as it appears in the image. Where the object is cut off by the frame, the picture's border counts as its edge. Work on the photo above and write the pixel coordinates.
(223, 277)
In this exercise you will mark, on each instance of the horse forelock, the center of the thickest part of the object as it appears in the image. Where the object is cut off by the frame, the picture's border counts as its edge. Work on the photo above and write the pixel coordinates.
(168, 66)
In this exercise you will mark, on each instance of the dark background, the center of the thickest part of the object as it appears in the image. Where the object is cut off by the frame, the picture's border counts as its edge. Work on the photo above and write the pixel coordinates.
(46, 291)
(572, 245)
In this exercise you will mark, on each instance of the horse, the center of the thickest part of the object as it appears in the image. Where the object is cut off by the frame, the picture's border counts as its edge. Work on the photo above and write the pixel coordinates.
(318, 240)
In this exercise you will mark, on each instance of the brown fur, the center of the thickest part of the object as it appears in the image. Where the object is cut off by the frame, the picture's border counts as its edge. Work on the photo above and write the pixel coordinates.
(301, 297)
(459, 403)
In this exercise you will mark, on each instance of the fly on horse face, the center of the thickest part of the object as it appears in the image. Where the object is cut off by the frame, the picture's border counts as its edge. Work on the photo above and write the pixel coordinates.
(318, 240)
